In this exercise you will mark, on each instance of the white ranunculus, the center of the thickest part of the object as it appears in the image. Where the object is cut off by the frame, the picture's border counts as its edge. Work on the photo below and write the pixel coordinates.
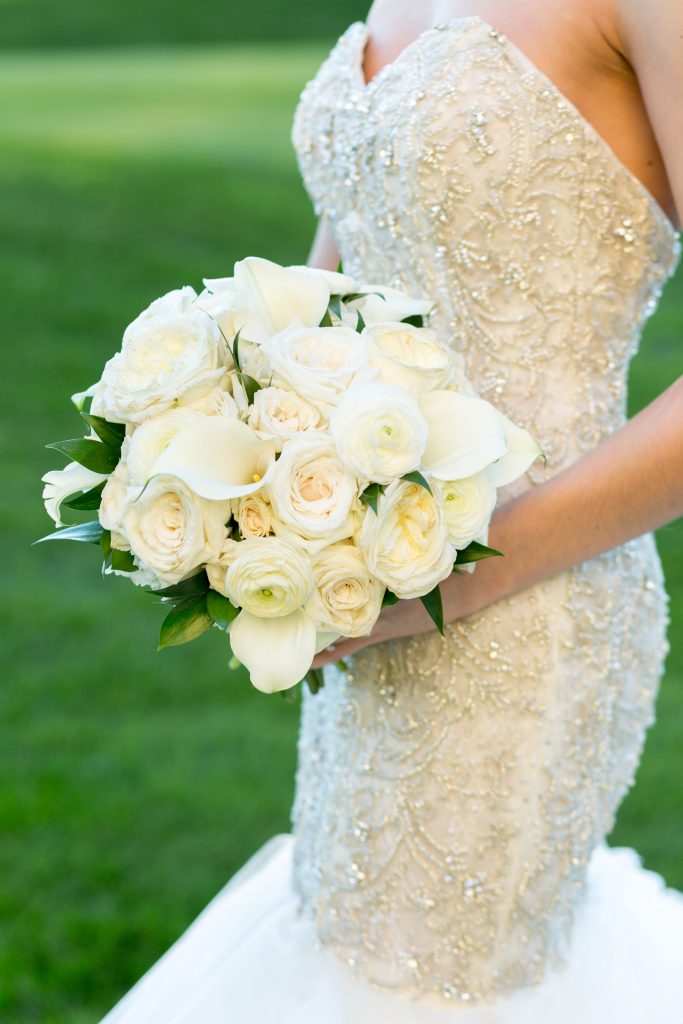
(408, 357)
(465, 435)
(346, 598)
(254, 516)
(218, 458)
(282, 414)
(62, 483)
(269, 577)
(172, 354)
(380, 432)
(522, 451)
(276, 652)
(320, 364)
(309, 489)
(406, 545)
(171, 530)
(150, 440)
(381, 305)
(263, 298)
(468, 505)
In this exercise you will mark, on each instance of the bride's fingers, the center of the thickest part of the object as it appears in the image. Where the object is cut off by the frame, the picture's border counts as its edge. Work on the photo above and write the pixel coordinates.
(342, 649)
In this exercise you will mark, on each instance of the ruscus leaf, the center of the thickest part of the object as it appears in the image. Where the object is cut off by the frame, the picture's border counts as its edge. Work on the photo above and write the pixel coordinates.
(220, 609)
(417, 478)
(86, 501)
(476, 552)
(111, 434)
(87, 533)
(94, 455)
(185, 622)
(434, 605)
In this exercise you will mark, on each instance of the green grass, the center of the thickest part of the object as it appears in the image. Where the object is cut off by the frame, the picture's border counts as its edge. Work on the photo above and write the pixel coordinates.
(134, 783)
(46, 24)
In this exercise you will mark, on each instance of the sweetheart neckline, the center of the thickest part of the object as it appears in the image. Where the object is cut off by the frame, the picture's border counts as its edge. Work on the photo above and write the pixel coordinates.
(367, 87)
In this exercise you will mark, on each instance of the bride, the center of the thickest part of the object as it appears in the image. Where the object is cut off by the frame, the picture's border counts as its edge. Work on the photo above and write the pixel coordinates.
(523, 165)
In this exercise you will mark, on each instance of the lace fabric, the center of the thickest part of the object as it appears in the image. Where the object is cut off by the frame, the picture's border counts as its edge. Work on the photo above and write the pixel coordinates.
(450, 792)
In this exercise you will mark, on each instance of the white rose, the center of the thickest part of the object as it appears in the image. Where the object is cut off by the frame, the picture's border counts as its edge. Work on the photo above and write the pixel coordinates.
(309, 489)
(382, 305)
(219, 563)
(282, 414)
(347, 598)
(269, 577)
(380, 432)
(112, 504)
(62, 483)
(406, 545)
(468, 505)
(263, 298)
(320, 363)
(254, 516)
(172, 531)
(172, 354)
(408, 357)
(217, 402)
(148, 441)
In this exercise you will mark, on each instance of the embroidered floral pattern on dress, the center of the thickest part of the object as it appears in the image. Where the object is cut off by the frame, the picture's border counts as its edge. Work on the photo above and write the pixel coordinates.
(450, 791)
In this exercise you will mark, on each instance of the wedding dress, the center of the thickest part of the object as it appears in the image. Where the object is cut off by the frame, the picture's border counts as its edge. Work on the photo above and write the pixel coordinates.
(448, 861)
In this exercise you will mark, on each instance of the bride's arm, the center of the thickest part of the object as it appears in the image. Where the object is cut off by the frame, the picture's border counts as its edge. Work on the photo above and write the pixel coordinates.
(324, 253)
(630, 484)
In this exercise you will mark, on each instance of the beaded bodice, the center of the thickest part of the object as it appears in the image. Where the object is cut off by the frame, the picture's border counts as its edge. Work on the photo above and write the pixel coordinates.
(450, 791)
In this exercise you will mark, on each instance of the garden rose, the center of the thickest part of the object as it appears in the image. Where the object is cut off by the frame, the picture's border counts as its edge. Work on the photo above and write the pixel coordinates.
(346, 597)
(406, 545)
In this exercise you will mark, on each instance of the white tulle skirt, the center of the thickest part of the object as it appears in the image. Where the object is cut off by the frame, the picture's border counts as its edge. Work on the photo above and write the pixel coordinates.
(249, 958)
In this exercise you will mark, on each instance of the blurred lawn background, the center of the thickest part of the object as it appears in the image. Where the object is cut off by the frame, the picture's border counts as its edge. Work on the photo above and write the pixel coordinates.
(134, 783)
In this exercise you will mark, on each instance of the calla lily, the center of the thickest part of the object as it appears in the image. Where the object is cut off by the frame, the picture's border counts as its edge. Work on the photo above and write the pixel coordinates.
(278, 652)
(269, 297)
(62, 483)
(218, 458)
(522, 452)
(465, 434)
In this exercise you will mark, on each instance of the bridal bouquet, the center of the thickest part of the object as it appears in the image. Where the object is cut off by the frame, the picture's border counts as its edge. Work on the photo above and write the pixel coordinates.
(282, 455)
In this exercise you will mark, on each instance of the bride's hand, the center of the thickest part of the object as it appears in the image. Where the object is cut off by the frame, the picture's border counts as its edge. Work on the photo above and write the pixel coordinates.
(406, 618)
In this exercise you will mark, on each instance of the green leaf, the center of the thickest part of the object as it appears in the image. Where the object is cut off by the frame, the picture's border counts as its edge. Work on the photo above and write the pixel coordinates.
(315, 680)
(389, 599)
(371, 496)
(476, 552)
(417, 478)
(105, 543)
(250, 385)
(94, 455)
(86, 502)
(335, 306)
(191, 587)
(87, 533)
(360, 322)
(434, 605)
(111, 434)
(326, 320)
(220, 609)
(414, 321)
(236, 350)
(123, 561)
(340, 268)
(185, 622)
(355, 296)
